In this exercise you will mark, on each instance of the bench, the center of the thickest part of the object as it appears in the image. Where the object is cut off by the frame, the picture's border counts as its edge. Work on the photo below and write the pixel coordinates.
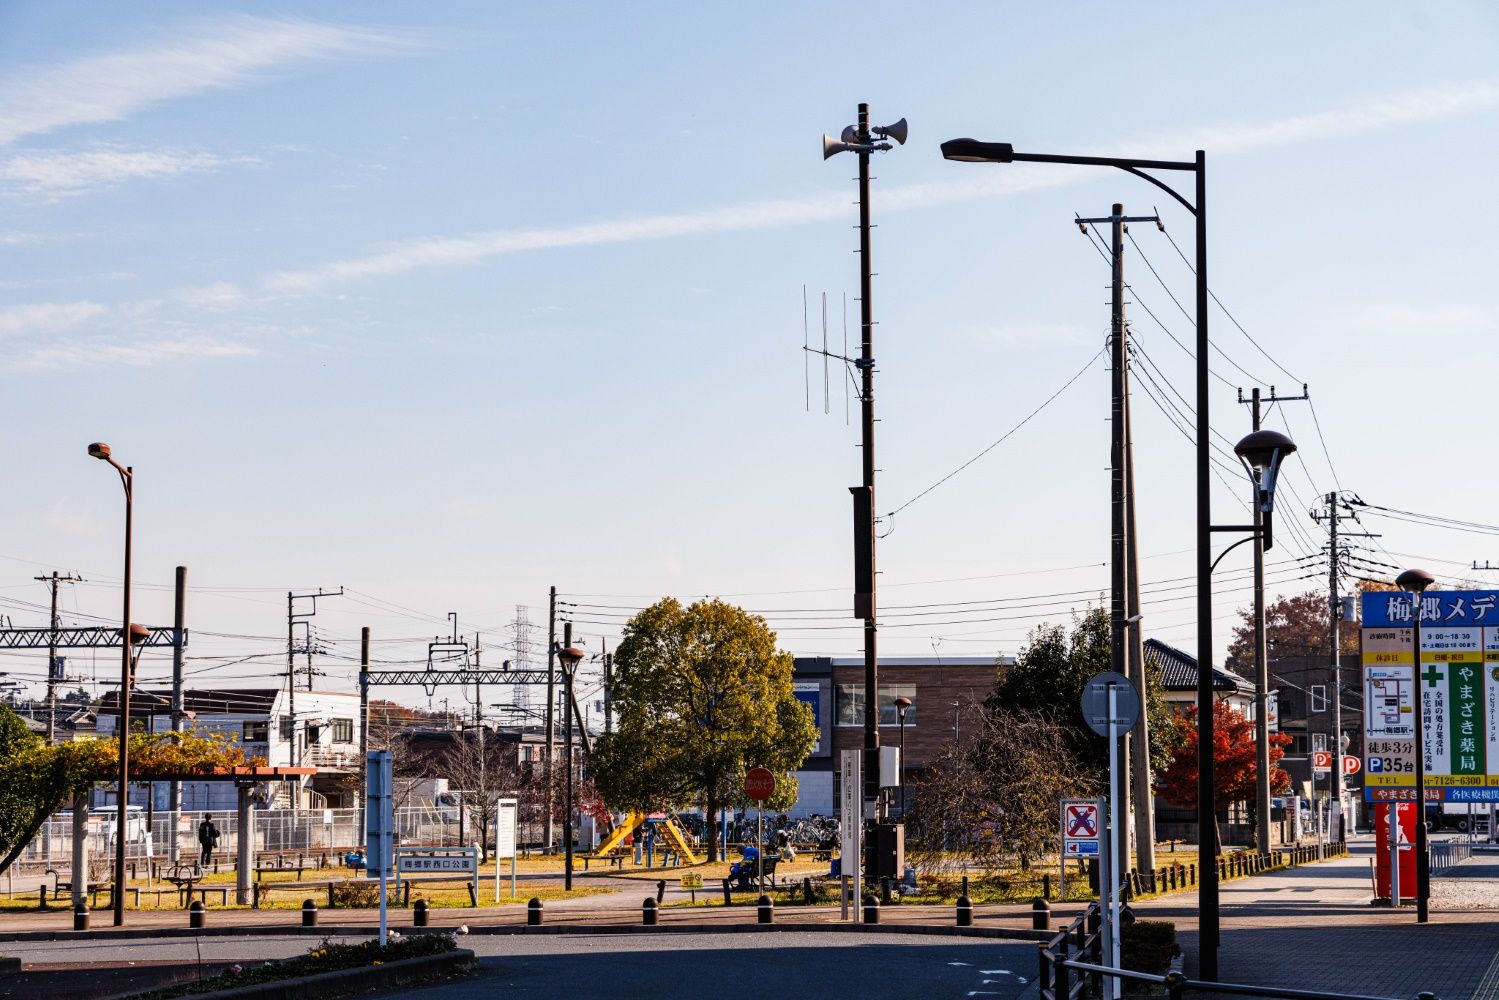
(767, 869)
(616, 859)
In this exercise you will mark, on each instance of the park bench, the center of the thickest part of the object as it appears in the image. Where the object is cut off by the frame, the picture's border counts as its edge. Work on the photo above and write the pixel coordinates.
(750, 882)
(616, 858)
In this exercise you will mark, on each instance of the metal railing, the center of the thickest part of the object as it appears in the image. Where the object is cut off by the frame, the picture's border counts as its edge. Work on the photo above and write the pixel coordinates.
(1448, 853)
(1083, 939)
(1177, 985)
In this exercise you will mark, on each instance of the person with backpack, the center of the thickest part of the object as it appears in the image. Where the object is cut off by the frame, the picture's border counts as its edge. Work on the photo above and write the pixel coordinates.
(208, 839)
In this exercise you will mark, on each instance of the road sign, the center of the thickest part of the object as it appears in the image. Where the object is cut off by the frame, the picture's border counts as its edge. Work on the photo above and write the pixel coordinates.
(1351, 764)
(759, 783)
(1080, 848)
(1080, 820)
(1321, 760)
(1095, 703)
(692, 880)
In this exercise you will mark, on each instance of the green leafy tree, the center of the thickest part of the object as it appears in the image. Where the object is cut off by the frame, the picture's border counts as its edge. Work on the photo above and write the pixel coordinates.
(701, 694)
(1295, 627)
(1048, 678)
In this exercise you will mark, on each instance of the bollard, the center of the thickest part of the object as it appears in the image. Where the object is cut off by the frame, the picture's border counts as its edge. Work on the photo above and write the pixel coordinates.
(309, 913)
(728, 893)
(965, 911)
(766, 909)
(648, 912)
(1041, 915)
(808, 896)
(195, 914)
(660, 891)
(885, 889)
(419, 914)
(533, 913)
(80, 917)
(43, 897)
(1046, 886)
(871, 909)
(965, 885)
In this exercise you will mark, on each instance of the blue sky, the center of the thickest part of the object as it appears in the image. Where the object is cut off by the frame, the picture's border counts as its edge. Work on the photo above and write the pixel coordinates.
(449, 303)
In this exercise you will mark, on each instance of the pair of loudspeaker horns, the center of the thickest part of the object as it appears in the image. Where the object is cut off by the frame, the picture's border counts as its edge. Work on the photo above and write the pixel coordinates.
(849, 140)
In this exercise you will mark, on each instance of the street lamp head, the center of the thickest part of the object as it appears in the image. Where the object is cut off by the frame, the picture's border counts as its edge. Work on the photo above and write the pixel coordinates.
(1260, 449)
(138, 634)
(570, 656)
(1414, 581)
(973, 151)
(99, 450)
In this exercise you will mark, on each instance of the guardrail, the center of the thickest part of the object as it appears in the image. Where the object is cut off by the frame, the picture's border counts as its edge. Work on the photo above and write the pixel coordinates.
(1448, 853)
(1177, 985)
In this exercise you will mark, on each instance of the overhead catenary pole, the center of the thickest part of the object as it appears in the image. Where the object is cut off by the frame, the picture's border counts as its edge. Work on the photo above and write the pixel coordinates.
(549, 765)
(179, 716)
(53, 672)
(291, 688)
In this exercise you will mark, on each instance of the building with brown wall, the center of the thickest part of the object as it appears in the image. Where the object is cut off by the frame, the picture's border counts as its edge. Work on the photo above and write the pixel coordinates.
(945, 693)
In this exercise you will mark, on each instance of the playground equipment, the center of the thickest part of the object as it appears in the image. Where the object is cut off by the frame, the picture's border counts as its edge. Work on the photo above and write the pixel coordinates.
(676, 840)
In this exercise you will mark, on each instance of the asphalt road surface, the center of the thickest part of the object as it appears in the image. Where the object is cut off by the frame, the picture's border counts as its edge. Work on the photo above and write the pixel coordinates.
(746, 966)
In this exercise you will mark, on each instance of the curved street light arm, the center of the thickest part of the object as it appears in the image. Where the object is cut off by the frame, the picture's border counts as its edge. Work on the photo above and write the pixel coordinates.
(1226, 551)
(1160, 184)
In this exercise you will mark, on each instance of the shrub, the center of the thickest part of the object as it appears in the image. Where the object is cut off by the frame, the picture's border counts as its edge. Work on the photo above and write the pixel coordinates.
(355, 894)
(1148, 945)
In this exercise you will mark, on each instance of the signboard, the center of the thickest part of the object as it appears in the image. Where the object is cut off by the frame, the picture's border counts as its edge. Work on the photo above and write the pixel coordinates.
(1351, 764)
(692, 880)
(378, 821)
(1321, 760)
(1095, 703)
(1081, 823)
(851, 824)
(433, 864)
(1272, 711)
(506, 819)
(759, 784)
(1456, 678)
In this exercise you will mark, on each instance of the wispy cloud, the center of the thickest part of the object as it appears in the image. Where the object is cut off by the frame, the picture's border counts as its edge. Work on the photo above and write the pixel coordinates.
(448, 251)
(46, 317)
(230, 53)
(65, 355)
(73, 173)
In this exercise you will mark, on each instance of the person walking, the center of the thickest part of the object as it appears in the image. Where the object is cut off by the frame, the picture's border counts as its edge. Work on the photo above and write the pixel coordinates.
(208, 839)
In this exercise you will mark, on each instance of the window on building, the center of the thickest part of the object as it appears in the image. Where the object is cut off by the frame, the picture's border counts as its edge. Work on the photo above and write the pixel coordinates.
(1297, 746)
(343, 730)
(255, 732)
(315, 733)
(288, 728)
(1319, 699)
(850, 698)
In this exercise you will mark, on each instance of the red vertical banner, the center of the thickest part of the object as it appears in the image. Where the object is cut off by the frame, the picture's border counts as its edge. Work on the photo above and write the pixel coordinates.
(1407, 840)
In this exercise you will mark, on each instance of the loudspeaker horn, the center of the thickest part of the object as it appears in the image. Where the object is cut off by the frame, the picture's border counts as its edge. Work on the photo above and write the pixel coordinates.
(850, 134)
(897, 131)
(831, 146)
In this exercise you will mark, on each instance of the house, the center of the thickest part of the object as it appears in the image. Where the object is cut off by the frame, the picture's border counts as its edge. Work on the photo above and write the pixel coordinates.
(1178, 672)
(943, 690)
(324, 733)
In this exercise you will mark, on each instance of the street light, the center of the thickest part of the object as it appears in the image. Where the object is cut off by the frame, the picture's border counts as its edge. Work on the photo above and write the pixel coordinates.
(974, 151)
(100, 450)
(902, 705)
(570, 656)
(1415, 582)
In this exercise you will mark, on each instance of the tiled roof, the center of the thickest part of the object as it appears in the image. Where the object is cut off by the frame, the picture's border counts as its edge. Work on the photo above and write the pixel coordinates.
(219, 701)
(1179, 670)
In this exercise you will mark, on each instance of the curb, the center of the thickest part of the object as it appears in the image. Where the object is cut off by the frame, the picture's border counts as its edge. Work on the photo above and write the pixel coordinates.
(1020, 934)
(327, 984)
(9, 965)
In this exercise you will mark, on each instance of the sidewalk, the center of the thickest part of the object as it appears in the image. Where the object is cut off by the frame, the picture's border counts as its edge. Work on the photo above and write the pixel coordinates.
(1313, 928)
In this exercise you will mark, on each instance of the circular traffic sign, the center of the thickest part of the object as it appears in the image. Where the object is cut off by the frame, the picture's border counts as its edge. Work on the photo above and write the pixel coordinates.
(1351, 764)
(1095, 703)
(759, 783)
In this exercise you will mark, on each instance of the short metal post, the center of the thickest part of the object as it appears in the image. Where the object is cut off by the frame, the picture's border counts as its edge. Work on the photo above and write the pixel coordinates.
(80, 917)
(195, 914)
(965, 911)
(871, 909)
(1041, 915)
(419, 914)
(1176, 983)
(660, 890)
(309, 913)
(533, 913)
(728, 893)
(648, 912)
(765, 910)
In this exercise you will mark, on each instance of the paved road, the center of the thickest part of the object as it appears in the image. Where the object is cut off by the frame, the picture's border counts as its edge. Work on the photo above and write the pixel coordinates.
(744, 967)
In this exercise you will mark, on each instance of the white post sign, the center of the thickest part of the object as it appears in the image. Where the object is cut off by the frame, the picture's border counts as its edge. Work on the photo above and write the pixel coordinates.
(851, 821)
(507, 815)
(379, 825)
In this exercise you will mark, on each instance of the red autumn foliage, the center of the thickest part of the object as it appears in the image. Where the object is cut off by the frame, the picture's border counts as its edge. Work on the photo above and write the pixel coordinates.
(1234, 768)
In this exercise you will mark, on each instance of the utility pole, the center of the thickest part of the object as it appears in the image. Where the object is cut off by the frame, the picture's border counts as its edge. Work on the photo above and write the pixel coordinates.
(1261, 657)
(608, 689)
(1337, 508)
(1144, 800)
(292, 617)
(548, 776)
(54, 581)
(179, 718)
(862, 140)
(1120, 507)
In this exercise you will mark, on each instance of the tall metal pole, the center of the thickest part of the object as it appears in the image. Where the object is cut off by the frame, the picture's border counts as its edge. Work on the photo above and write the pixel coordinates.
(865, 536)
(1261, 668)
(52, 665)
(1140, 746)
(122, 793)
(1207, 869)
(291, 688)
(1423, 861)
(609, 691)
(364, 692)
(549, 771)
(179, 720)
